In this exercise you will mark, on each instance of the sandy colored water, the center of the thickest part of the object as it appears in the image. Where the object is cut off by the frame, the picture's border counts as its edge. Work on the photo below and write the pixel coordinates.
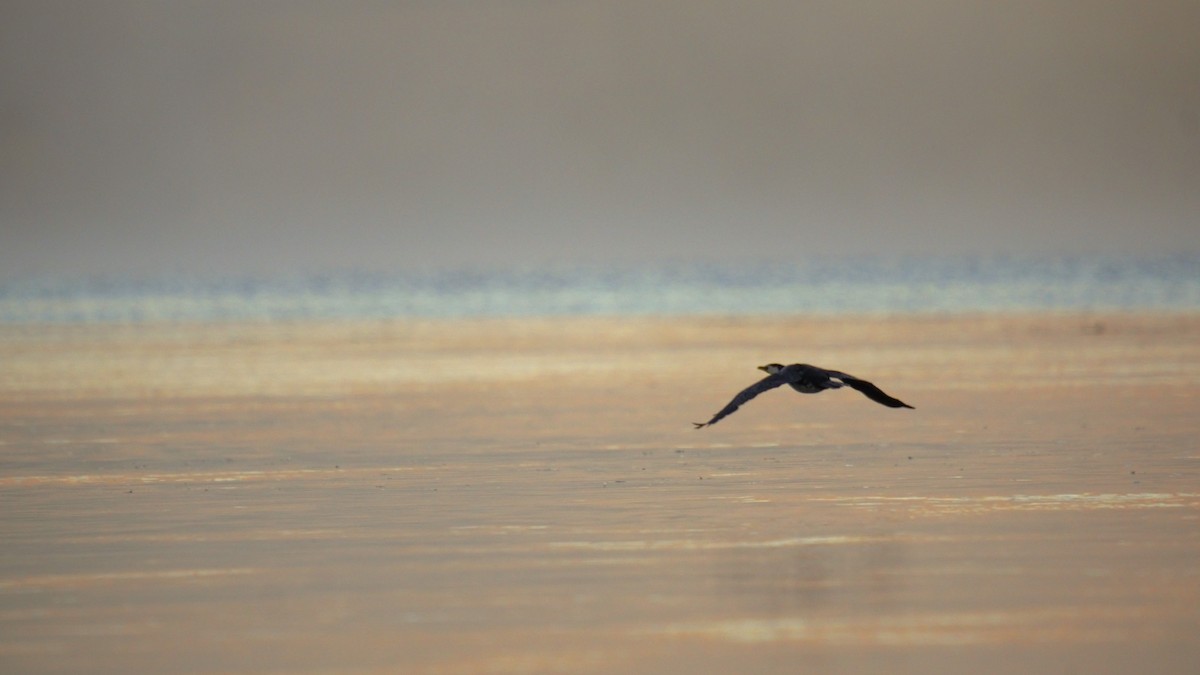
(529, 496)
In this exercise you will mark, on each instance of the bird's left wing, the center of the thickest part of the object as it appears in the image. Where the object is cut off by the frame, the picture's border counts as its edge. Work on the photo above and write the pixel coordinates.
(869, 390)
(766, 384)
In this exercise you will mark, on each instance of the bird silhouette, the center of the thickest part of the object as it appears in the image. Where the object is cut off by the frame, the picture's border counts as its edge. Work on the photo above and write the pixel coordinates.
(805, 379)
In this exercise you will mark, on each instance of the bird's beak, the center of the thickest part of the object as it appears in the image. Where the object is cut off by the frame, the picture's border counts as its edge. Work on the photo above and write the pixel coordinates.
(763, 368)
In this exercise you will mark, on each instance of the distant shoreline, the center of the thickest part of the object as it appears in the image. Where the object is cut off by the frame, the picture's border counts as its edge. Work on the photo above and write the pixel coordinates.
(845, 287)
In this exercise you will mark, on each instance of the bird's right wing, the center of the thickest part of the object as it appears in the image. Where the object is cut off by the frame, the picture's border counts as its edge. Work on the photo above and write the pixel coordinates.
(766, 384)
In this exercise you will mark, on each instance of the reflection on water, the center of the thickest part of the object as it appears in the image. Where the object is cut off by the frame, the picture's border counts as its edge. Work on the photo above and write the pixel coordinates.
(52, 581)
(841, 574)
(1023, 502)
(933, 630)
(702, 544)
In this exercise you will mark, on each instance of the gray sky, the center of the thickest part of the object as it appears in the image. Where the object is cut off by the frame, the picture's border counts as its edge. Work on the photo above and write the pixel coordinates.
(244, 136)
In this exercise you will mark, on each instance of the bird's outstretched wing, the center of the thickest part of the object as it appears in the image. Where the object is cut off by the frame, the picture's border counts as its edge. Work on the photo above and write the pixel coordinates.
(766, 384)
(870, 391)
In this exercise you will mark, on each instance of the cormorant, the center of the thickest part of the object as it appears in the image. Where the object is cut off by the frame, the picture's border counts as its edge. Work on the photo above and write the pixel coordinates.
(805, 379)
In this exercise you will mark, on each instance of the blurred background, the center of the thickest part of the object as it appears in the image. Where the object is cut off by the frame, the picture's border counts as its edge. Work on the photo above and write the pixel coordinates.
(259, 137)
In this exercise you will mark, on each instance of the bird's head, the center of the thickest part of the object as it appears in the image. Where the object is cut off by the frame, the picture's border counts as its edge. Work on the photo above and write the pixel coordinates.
(771, 368)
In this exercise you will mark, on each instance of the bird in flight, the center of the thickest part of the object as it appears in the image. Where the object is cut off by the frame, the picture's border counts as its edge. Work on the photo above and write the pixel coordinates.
(805, 379)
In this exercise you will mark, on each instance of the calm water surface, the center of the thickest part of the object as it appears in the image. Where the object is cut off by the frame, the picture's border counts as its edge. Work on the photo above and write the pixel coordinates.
(528, 496)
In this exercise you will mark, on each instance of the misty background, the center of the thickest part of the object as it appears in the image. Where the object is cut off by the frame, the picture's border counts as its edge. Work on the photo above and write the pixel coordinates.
(269, 137)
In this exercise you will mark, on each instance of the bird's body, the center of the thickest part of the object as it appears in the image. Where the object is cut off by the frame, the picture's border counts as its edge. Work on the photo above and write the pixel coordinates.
(805, 379)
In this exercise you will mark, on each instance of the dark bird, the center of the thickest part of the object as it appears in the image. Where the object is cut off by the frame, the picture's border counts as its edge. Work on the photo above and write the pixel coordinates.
(805, 379)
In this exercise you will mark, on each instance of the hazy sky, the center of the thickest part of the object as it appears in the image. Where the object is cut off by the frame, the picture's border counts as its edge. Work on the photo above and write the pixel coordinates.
(243, 136)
